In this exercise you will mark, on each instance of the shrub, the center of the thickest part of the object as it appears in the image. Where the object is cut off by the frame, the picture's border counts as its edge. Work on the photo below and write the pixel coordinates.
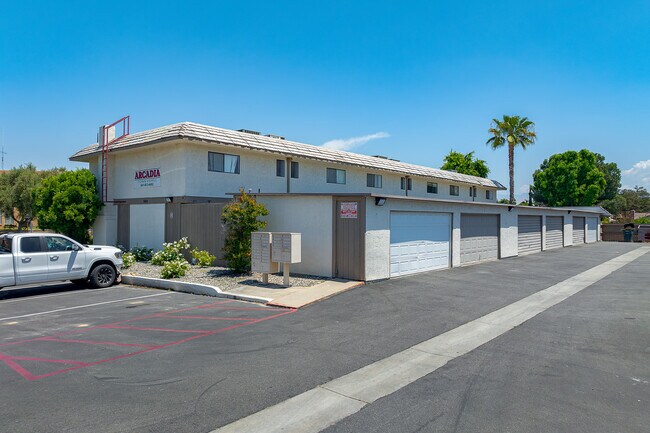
(128, 259)
(142, 254)
(174, 268)
(203, 258)
(241, 218)
(171, 251)
(642, 220)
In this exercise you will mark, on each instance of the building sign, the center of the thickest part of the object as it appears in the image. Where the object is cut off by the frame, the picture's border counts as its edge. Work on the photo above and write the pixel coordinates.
(348, 210)
(147, 178)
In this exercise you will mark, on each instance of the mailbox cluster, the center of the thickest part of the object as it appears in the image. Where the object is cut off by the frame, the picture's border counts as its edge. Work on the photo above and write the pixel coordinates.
(269, 249)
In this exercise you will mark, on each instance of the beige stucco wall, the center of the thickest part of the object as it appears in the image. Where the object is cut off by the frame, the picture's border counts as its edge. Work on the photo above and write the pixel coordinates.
(311, 216)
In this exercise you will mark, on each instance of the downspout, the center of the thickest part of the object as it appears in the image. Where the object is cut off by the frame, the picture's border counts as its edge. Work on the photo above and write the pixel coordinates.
(288, 174)
(406, 184)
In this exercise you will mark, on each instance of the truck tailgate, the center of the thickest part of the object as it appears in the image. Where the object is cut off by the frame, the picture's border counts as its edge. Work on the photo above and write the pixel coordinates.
(7, 275)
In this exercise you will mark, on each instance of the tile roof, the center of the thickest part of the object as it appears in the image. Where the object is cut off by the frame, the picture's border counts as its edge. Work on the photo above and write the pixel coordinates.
(211, 134)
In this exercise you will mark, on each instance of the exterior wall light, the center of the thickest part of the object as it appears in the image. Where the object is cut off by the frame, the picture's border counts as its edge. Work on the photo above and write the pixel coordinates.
(169, 199)
(380, 201)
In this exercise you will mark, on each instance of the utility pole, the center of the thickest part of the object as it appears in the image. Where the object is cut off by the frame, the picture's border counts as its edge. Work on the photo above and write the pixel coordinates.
(3, 153)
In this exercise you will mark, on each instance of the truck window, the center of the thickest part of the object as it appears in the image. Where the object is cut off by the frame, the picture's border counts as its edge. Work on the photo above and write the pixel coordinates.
(30, 245)
(5, 245)
(55, 243)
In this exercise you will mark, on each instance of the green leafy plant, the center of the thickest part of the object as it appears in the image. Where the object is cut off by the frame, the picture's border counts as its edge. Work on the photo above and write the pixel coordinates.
(68, 203)
(642, 220)
(128, 260)
(171, 251)
(202, 258)
(465, 164)
(241, 219)
(142, 254)
(174, 268)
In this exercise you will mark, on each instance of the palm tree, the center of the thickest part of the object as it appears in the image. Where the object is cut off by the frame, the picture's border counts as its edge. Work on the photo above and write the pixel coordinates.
(516, 131)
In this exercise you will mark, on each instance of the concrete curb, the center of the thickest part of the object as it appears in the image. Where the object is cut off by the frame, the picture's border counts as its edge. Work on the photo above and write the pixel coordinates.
(193, 288)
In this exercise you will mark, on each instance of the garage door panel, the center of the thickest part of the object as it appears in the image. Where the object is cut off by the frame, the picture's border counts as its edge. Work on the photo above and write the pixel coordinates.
(554, 232)
(530, 234)
(420, 241)
(479, 238)
(578, 230)
(592, 229)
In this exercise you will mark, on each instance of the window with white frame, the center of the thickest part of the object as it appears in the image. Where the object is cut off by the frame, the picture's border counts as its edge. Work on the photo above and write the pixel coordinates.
(488, 194)
(432, 188)
(223, 162)
(406, 183)
(295, 170)
(374, 180)
(472, 191)
(334, 175)
(454, 190)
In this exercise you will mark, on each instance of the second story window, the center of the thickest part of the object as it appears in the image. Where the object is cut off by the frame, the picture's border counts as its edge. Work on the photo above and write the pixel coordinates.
(295, 170)
(374, 180)
(406, 183)
(279, 167)
(488, 194)
(432, 188)
(472, 191)
(223, 163)
(335, 175)
(454, 190)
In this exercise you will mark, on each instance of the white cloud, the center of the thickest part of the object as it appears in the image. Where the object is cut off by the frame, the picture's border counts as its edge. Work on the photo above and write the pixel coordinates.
(351, 143)
(638, 175)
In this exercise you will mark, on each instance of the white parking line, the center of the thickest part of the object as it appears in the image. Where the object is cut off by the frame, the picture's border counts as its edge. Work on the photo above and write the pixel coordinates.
(51, 295)
(85, 306)
(325, 405)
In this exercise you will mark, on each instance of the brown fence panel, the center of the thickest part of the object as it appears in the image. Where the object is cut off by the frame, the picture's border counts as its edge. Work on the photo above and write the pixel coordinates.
(614, 233)
(201, 224)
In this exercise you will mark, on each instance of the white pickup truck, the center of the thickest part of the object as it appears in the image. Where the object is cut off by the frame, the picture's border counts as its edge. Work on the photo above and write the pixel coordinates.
(44, 257)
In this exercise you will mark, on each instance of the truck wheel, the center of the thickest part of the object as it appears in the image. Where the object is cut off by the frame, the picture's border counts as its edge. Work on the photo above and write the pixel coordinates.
(103, 276)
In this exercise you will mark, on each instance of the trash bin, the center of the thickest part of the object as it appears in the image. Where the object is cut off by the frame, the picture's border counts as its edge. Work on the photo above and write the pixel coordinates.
(627, 235)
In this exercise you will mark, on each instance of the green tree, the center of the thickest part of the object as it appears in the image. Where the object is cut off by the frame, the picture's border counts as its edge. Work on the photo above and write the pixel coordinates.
(616, 205)
(465, 164)
(241, 219)
(512, 131)
(637, 199)
(16, 193)
(68, 203)
(612, 177)
(569, 179)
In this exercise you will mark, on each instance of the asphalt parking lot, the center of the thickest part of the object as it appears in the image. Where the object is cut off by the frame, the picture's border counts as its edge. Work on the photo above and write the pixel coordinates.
(128, 359)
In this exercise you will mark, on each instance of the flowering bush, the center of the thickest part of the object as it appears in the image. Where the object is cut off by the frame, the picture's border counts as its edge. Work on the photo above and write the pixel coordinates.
(142, 254)
(128, 260)
(171, 251)
(174, 268)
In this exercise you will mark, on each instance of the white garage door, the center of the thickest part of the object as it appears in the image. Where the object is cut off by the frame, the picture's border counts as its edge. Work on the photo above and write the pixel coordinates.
(578, 230)
(419, 241)
(479, 238)
(530, 234)
(592, 229)
(554, 232)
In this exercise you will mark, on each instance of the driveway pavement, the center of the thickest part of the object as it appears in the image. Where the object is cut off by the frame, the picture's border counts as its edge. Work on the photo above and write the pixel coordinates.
(135, 360)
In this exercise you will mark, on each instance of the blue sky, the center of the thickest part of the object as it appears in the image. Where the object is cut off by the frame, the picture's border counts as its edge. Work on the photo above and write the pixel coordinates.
(417, 78)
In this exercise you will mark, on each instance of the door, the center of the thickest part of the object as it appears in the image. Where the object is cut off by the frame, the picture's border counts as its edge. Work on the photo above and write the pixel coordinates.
(592, 229)
(419, 242)
(554, 232)
(479, 238)
(66, 259)
(124, 226)
(349, 239)
(529, 239)
(578, 230)
(31, 263)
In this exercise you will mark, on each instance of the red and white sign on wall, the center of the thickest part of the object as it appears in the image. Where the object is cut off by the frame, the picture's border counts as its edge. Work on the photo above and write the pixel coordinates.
(348, 210)
(147, 178)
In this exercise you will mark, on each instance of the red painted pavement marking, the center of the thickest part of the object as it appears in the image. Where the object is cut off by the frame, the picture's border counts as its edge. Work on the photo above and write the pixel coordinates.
(9, 360)
(96, 343)
(245, 319)
(140, 328)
